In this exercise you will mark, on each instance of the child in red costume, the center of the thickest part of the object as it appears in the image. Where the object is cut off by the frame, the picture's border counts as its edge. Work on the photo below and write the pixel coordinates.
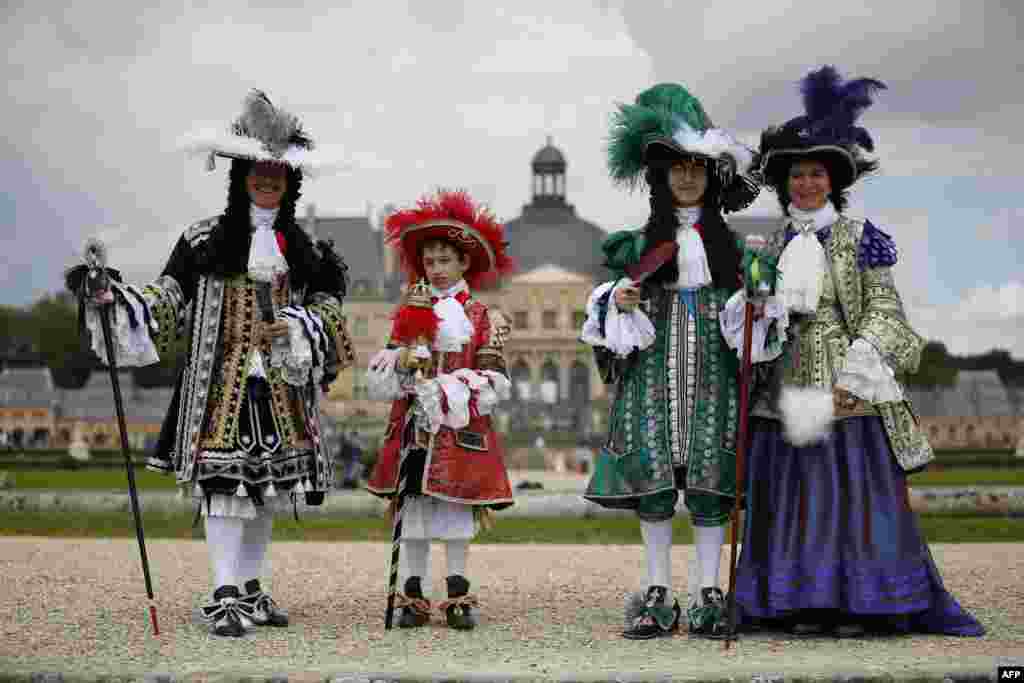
(441, 415)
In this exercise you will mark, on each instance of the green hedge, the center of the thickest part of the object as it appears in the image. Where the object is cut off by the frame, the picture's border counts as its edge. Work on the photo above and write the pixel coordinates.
(969, 458)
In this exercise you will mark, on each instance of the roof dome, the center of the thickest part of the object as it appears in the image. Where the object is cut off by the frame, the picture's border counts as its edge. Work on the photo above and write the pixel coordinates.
(549, 159)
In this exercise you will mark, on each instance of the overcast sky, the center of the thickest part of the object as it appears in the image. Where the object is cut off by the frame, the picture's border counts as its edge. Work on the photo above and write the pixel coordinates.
(437, 93)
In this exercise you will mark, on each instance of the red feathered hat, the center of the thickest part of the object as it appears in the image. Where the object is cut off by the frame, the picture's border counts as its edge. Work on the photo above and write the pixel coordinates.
(454, 218)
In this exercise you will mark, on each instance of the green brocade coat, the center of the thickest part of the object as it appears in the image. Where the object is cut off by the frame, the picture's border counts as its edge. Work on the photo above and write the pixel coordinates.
(675, 403)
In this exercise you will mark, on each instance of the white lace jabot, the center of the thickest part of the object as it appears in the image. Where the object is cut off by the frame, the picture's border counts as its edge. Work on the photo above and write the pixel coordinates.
(802, 263)
(455, 328)
(265, 257)
(691, 257)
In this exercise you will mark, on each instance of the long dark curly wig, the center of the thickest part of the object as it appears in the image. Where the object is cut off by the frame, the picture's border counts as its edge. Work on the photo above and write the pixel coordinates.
(226, 252)
(719, 240)
(777, 176)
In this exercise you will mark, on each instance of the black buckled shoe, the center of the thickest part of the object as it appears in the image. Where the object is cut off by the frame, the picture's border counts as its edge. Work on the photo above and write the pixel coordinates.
(647, 615)
(458, 608)
(849, 629)
(709, 618)
(263, 610)
(806, 629)
(227, 614)
(415, 608)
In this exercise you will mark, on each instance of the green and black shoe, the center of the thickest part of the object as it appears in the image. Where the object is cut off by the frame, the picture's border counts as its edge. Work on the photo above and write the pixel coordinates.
(709, 618)
(647, 615)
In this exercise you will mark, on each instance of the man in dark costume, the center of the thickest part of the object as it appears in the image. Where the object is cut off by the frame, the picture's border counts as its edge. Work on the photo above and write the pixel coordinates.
(266, 334)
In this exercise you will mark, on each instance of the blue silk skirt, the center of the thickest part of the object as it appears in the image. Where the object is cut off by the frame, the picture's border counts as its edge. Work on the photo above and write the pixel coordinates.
(829, 527)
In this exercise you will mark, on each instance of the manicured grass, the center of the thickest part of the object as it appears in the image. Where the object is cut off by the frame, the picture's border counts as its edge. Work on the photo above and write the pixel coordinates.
(115, 479)
(614, 531)
(969, 476)
(91, 479)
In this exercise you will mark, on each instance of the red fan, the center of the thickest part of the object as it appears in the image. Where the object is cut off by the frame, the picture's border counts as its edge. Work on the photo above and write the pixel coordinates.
(652, 259)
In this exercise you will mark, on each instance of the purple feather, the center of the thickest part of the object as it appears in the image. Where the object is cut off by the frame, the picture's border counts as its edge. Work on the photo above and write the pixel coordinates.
(834, 105)
(821, 92)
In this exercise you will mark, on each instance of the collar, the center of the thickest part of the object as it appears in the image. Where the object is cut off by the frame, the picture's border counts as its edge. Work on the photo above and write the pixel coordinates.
(805, 221)
(262, 219)
(688, 216)
(459, 291)
(457, 288)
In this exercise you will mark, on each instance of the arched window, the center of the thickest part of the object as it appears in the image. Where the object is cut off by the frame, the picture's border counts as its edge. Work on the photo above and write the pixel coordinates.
(549, 389)
(521, 388)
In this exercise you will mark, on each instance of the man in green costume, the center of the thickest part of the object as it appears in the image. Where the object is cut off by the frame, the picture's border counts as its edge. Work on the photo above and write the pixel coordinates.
(655, 334)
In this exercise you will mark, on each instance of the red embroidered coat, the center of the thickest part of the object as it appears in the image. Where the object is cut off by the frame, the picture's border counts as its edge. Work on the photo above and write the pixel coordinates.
(465, 465)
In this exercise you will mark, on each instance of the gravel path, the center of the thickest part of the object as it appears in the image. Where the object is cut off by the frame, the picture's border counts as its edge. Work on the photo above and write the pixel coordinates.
(548, 612)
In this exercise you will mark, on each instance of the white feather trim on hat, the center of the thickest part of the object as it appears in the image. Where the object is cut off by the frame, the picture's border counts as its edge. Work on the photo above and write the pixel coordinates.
(807, 414)
(714, 143)
(312, 162)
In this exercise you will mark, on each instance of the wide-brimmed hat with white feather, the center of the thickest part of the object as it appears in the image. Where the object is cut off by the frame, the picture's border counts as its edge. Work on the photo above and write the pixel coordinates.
(264, 132)
(666, 122)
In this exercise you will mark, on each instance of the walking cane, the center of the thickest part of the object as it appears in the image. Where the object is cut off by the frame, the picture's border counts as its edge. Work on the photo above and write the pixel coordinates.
(401, 486)
(98, 282)
(396, 535)
(741, 457)
(415, 325)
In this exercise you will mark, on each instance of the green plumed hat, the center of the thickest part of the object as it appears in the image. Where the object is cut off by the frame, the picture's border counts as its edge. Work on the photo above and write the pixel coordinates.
(666, 121)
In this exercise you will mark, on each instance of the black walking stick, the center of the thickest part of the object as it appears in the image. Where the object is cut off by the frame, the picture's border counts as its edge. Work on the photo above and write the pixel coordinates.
(396, 534)
(415, 325)
(98, 281)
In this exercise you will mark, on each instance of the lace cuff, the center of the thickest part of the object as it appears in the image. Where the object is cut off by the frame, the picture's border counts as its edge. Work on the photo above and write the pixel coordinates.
(456, 394)
(487, 388)
(622, 331)
(427, 407)
(301, 355)
(133, 344)
(767, 333)
(383, 382)
(866, 375)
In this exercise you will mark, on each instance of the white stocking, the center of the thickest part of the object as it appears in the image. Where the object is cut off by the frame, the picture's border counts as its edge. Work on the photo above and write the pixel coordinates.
(417, 550)
(224, 539)
(709, 553)
(658, 549)
(255, 540)
(456, 551)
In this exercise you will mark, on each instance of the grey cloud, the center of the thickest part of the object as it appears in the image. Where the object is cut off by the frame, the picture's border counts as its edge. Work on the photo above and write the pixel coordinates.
(944, 62)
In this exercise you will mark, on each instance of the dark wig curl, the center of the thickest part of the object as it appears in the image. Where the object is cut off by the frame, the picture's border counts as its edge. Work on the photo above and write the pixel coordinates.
(226, 252)
(719, 240)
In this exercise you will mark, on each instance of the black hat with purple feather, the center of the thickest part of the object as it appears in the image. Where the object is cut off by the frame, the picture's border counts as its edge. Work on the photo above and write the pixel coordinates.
(827, 131)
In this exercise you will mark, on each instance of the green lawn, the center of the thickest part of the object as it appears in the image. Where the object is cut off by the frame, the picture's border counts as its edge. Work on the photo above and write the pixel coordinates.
(92, 479)
(937, 528)
(967, 476)
(115, 479)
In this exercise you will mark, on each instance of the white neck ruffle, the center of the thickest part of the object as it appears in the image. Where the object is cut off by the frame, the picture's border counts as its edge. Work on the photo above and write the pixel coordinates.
(265, 257)
(801, 267)
(802, 221)
(691, 257)
(455, 328)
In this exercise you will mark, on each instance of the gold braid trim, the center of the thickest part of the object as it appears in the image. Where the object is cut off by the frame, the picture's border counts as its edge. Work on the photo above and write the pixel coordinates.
(460, 602)
(418, 605)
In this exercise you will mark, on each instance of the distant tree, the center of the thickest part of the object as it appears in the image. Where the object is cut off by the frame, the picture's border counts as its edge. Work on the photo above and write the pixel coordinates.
(52, 325)
(937, 368)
